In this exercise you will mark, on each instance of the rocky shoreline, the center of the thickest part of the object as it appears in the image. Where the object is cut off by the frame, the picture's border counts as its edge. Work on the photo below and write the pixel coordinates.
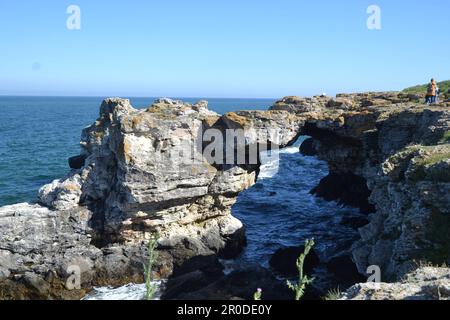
(388, 153)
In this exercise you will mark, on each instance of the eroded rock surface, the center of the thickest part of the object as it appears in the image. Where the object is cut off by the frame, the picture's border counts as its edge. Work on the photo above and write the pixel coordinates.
(400, 147)
(426, 283)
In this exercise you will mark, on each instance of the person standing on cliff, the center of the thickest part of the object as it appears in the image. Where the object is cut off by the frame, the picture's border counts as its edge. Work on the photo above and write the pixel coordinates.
(431, 92)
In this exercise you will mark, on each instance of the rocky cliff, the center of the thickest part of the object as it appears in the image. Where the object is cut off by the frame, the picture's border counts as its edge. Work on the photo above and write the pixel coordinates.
(144, 172)
(425, 283)
(401, 149)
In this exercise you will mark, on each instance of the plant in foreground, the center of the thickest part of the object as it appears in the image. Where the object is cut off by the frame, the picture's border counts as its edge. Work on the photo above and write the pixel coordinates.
(303, 280)
(151, 288)
(257, 295)
(333, 295)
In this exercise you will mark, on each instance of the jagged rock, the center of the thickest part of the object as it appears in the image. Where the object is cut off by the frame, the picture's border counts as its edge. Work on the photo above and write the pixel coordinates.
(426, 283)
(143, 174)
(35, 241)
(347, 189)
(241, 284)
(283, 261)
(412, 219)
(187, 283)
(62, 194)
(411, 204)
(193, 275)
(301, 105)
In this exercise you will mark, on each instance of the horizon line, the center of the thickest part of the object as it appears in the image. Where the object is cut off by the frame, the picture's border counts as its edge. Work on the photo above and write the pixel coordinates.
(131, 96)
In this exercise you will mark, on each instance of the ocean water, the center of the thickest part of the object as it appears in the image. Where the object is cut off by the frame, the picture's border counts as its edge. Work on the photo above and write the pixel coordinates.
(279, 210)
(37, 135)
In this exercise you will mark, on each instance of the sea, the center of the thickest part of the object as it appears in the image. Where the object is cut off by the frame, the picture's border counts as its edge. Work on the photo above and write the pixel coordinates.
(39, 134)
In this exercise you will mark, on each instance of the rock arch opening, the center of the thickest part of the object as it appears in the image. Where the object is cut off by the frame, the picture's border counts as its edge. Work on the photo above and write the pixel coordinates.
(281, 210)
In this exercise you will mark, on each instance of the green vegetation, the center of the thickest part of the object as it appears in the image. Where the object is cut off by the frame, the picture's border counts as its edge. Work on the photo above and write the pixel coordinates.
(445, 138)
(428, 264)
(152, 257)
(422, 163)
(437, 232)
(303, 280)
(444, 86)
(426, 169)
(257, 295)
(334, 294)
(435, 158)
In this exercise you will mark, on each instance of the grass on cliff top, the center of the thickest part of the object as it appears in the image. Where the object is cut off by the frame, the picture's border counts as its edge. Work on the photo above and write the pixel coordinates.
(444, 86)
(422, 162)
(445, 138)
(437, 233)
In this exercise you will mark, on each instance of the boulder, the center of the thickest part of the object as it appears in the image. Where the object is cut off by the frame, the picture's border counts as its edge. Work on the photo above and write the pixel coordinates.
(242, 284)
(188, 283)
(345, 188)
(307, 148)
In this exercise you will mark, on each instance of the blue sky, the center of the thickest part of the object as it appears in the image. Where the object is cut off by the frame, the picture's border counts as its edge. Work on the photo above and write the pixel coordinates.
(200, 48)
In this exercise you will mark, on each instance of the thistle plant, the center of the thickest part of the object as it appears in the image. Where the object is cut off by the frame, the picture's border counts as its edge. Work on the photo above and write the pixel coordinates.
(334, 294)
(257, 295)
(152, 257)
(303, 280)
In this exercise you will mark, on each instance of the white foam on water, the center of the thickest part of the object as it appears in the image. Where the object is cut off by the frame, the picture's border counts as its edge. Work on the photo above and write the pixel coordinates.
(271, 161)
(269, 167)
(128, 292)
(290, 150)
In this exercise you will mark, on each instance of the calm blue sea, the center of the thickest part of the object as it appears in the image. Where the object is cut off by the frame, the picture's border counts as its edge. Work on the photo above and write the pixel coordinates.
(38, 134)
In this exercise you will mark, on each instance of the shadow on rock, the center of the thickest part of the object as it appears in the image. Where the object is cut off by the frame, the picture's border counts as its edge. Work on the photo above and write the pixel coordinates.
(283, 262)
(237, 285)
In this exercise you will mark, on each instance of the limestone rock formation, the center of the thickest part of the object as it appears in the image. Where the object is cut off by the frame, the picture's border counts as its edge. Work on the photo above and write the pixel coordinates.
(425, 283)
(399, 147)
(141, 176)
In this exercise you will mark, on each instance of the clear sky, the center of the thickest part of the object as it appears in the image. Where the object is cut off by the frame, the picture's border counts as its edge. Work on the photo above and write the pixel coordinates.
(220, 48)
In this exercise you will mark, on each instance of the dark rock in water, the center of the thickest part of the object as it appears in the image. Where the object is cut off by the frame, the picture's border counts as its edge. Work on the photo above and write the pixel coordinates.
(207, 264)
(346, 188)
(188, 283)
(283, 261)
(77, 162)
(307, 148)
(354, 222)
(345, 270)
(241, 284)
